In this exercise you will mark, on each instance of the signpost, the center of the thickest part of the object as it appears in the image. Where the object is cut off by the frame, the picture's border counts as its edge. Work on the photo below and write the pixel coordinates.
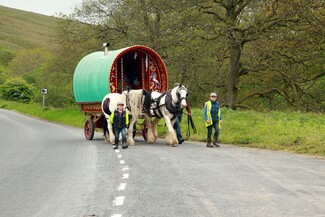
(43, 92)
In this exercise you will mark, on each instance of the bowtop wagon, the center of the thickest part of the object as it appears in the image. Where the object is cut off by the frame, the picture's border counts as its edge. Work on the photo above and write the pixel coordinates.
(103, 72)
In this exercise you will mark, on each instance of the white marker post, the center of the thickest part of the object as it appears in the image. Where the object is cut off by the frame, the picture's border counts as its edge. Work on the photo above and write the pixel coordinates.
(43, 92)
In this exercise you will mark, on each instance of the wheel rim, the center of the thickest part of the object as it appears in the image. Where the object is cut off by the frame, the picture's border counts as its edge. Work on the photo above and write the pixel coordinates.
(88, 129)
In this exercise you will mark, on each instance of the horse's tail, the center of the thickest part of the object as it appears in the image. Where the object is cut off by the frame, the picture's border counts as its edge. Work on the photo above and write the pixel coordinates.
(106, 106)
(147, 101)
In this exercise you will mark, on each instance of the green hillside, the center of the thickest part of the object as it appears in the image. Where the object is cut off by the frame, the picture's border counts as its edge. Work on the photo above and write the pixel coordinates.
(21, 29)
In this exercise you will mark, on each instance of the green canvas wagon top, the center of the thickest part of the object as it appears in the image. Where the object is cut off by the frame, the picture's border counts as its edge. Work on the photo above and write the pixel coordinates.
(135, 67)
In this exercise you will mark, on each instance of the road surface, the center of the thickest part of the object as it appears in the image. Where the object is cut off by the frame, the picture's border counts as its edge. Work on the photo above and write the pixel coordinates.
(50, 170)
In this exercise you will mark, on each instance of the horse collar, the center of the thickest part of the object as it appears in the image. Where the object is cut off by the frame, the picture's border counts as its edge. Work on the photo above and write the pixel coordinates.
(174, 109)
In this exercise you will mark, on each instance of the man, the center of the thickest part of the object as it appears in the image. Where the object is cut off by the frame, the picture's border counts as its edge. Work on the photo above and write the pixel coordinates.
(120, 121)
(177, 124)
(213, 119)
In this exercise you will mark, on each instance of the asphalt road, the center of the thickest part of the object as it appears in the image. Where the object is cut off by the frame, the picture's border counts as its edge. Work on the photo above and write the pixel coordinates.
(50, 170)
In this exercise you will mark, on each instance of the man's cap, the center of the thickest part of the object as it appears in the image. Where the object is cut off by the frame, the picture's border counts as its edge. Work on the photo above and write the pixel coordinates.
(213, 94)
(120, 103)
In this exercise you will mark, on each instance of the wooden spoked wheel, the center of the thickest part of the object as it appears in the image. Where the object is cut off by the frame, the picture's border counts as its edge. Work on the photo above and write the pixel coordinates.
(89, 129)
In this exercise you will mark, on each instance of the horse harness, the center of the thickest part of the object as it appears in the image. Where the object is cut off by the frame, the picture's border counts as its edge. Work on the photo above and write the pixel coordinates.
(172, 106)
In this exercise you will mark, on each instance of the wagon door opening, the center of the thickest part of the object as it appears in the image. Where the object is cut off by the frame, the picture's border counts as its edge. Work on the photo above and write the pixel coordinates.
(130, 71)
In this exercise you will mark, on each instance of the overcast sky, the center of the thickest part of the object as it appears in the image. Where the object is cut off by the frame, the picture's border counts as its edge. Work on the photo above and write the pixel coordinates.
(47, 7)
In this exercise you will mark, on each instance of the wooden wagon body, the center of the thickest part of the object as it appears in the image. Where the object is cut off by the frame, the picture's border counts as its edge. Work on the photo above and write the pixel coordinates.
(103, 72)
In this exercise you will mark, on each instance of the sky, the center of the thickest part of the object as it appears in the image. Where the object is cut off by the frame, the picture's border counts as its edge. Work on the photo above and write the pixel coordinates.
(46, 7)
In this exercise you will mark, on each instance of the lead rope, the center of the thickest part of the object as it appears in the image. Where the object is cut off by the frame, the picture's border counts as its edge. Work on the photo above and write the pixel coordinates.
(190, 122)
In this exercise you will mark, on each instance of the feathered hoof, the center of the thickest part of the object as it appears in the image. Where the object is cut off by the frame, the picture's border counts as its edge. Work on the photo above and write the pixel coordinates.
(153, 141)
(172, 143)
(131, 142)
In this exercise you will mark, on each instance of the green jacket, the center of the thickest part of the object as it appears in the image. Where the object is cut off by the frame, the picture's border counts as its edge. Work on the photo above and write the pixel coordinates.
(207, 114)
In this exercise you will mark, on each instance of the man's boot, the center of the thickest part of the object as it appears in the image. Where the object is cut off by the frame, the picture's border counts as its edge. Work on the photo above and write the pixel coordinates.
(180, 140)
(215, 142)
(124, 145)
(115, 146)
(209, 143)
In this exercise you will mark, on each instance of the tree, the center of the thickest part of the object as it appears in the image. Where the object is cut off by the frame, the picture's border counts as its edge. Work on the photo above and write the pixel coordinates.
(288, 64)
(244, 49)
(240, 22)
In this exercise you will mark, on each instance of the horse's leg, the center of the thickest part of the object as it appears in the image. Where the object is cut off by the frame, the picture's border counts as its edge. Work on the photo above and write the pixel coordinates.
(171, 138)
(154, 127)
(130, 139)
(111, 133)
(150, 136)
(105, 130)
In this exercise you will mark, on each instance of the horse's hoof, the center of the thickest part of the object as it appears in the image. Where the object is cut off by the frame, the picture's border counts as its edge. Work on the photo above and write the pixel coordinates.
(130, 141)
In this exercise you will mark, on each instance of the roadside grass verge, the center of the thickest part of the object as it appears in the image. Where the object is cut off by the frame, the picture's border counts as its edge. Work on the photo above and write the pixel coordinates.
(71, 116)
(296, 132)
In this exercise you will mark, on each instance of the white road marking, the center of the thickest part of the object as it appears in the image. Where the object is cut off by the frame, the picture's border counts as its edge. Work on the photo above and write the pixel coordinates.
(125, 176)
(121, 187)
(118, 201)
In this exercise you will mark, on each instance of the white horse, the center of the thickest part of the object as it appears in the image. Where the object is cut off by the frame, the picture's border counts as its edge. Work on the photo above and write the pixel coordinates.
(133, 101)
(167, 105)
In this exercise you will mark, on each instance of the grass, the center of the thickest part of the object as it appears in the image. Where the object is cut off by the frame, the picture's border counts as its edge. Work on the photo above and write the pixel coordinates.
(290, 131)
(22, 29)
(71, 116)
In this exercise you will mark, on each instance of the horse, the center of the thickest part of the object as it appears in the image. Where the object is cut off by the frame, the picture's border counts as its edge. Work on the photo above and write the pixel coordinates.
(166, 105)
(133, 100)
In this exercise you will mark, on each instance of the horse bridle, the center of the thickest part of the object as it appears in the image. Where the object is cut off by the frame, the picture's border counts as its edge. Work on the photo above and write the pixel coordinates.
(179, 95)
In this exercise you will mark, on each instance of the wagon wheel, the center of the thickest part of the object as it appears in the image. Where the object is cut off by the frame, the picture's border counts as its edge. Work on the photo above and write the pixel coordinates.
(89, 129)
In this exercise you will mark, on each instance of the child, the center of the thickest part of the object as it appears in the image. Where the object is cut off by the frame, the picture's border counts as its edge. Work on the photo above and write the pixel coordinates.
(120, 121)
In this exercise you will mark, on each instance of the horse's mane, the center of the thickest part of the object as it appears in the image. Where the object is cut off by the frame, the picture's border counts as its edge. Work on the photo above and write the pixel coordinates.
(134, 98)
(147, 101)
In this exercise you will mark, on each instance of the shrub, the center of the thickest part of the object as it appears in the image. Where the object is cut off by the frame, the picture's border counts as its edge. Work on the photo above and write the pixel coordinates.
(17, 90)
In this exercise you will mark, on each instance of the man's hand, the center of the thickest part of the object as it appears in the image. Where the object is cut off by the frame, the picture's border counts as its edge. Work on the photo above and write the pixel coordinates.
(220, 121)
(208, 121)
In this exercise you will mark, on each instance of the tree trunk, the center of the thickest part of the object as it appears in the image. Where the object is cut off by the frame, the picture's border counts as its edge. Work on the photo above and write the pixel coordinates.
(233, 76)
